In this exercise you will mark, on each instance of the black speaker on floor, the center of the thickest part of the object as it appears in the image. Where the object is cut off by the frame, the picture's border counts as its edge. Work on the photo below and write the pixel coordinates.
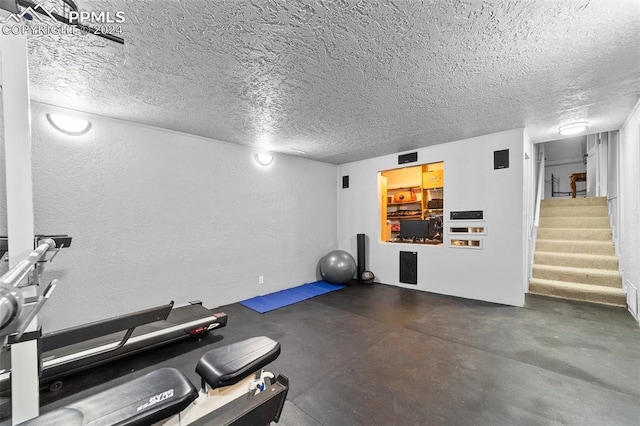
(409, 267)
(363, 275)
(361, 255)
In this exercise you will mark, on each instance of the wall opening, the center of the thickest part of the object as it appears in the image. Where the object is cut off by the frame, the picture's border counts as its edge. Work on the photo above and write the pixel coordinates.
(412, 204)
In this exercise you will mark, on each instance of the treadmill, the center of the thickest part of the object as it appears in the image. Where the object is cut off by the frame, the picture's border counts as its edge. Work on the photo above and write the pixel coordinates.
(78, 348)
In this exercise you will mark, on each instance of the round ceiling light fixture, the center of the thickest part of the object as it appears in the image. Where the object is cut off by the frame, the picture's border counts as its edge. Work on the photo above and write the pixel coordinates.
(263, 158)
(573, 128)
(71, 126)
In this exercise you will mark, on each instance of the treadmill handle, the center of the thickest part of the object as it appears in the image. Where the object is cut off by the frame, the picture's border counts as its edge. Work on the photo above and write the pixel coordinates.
(82, 333)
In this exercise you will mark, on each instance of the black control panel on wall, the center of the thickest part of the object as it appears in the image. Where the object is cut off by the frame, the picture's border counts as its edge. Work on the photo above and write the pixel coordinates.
(412, 157)
(467, 215)
(501, 159)
(345, 181)
(409, 267)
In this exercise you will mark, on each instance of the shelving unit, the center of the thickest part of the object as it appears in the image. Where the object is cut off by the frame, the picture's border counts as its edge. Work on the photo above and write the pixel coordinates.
(404, 203)
(415, 193)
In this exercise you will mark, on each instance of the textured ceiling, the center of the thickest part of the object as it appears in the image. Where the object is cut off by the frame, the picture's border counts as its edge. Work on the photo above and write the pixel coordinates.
(351, 79)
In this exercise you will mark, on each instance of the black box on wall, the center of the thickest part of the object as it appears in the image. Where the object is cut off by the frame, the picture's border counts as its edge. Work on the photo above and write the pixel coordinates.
(412, 157)
(501, 159)
(409, 267)
(345, 181)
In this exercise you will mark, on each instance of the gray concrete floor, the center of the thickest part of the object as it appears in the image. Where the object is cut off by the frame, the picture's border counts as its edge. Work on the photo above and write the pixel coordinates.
(382, 355)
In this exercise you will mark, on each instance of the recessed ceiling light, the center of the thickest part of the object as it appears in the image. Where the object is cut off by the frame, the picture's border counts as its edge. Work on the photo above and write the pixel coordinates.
(573, 128)
(263, 158)
(69, 125)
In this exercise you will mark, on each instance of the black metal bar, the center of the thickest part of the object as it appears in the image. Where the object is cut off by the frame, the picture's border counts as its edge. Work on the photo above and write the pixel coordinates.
(60, 239)
(82, 333)
(124, 340)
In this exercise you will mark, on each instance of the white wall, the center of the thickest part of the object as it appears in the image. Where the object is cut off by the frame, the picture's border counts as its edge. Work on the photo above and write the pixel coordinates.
(629, 207)
(494, 273)
(158, 216)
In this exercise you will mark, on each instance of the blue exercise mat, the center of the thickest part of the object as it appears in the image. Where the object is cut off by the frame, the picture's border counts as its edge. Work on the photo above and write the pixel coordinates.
(290, 296)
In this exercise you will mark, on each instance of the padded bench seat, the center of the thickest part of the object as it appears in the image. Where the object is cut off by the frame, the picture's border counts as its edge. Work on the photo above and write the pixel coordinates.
(229, 364)
(164, 392)
(142, 401)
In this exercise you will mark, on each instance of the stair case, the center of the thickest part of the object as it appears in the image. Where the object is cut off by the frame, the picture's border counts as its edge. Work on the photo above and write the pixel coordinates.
(575, 256)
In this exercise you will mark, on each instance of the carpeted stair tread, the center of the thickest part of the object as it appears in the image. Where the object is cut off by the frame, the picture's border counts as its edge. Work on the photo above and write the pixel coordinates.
(576, 246)
(574, 202)
(574, 222)
(592, 234)
(590, 276)
(578, 260)
(580, 292)
(575, 256)
(572, 211)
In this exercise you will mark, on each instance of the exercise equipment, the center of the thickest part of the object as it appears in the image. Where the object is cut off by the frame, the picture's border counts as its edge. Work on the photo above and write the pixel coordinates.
(235, 390)
(287, 297)
(367, 277)
(78, 348)
(18, 309)
(337, 267)
(233, 379)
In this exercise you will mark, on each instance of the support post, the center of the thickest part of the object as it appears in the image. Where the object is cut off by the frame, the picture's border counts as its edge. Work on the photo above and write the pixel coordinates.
(17, 144)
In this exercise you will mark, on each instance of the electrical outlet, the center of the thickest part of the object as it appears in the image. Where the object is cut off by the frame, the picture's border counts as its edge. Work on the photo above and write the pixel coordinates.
(261, 279)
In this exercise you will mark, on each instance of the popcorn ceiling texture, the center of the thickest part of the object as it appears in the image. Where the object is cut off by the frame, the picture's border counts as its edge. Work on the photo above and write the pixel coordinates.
(348, 80)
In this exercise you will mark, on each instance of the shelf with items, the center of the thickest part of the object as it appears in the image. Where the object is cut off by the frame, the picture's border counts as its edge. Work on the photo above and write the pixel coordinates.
(404, 195)
(433, 196)
(403, 214)
(397, 218)
(404, 203)
(413, 193)
(434, 201)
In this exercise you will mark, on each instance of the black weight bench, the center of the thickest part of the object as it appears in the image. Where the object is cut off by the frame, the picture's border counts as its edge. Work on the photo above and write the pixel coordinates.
(227, 365)
(166, 392)
(145, 400)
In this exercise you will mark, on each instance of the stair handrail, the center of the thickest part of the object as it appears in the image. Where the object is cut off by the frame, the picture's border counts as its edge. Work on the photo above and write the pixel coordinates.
(536, 213)
(539, 189)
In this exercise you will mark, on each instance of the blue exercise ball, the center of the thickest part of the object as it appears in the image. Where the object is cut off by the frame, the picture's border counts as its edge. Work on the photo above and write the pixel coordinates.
(337, 267)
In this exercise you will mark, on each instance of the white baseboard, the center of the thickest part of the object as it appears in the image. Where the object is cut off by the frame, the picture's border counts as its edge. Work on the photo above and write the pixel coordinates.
(632, 299)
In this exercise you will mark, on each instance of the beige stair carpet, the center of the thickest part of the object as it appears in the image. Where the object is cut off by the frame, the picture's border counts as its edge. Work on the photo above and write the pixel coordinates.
(575, 256)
